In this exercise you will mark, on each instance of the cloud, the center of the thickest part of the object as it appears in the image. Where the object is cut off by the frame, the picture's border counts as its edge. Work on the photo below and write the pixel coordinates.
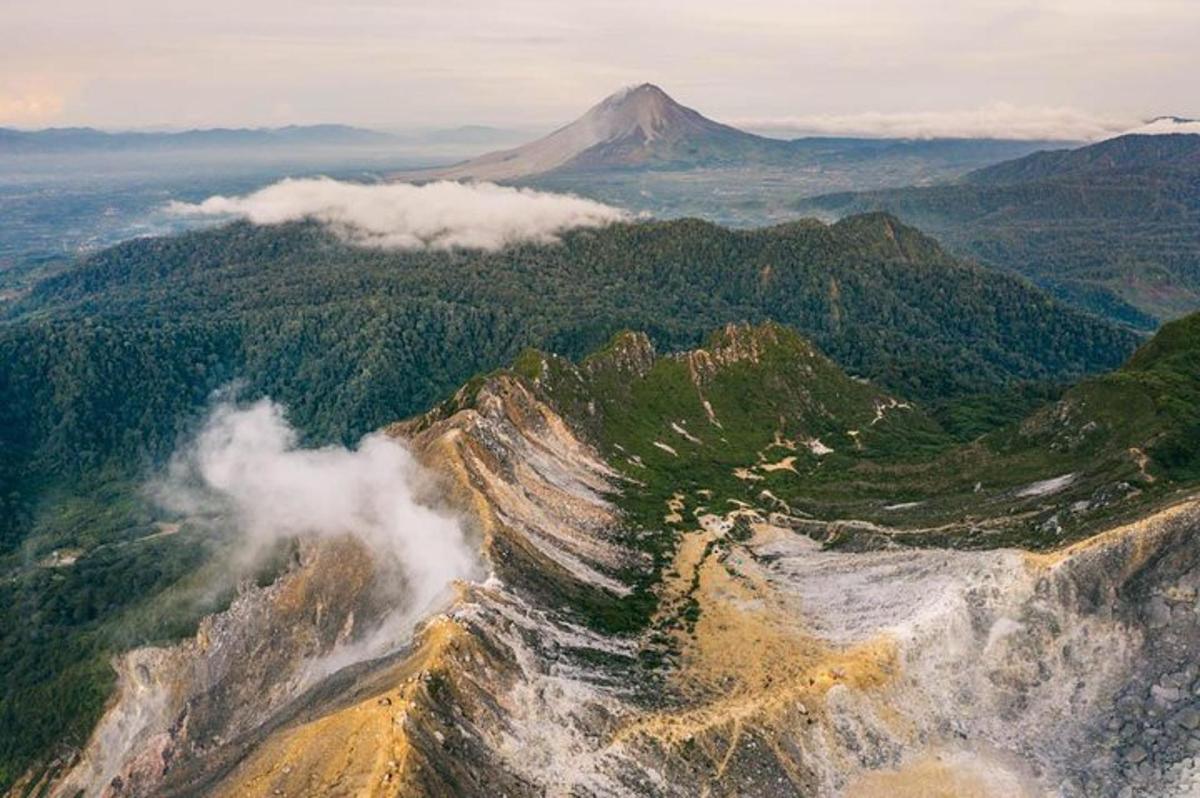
(1167, 125)
(246, 468)
(999, 120)
(440, 215)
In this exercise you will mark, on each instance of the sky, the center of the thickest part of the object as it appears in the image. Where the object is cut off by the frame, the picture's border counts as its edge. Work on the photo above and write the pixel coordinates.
(1074, 64)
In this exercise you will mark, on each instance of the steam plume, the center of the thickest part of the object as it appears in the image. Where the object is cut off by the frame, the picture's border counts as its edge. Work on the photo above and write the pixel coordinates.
(246, 466)
(439, 215)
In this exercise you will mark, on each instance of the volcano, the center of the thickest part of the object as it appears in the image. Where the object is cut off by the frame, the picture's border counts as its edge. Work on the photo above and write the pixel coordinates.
(637, 127)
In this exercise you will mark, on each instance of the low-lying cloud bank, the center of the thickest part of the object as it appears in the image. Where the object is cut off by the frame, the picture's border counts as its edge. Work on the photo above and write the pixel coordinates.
(246, 468)
(1168, 125)
(998, 120)
(442, 215)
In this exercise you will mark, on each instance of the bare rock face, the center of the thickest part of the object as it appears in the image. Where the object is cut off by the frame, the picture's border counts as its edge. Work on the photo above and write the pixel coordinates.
(263, 671)
(630, 353)
(198, 700)
(736, 343)
(771, 666)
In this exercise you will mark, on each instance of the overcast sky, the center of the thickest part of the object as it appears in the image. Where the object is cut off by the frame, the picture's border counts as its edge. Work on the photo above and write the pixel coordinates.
(135, 63)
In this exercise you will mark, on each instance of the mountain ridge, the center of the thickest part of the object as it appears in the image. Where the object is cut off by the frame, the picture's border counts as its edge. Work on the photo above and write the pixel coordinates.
(1111, 228)
(71, 139)
(105, 368)
(1177, 151)
(183, 316)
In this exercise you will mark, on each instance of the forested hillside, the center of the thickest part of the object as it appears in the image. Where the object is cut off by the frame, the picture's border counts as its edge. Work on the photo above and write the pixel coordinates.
(104, 366)
(1113, 228)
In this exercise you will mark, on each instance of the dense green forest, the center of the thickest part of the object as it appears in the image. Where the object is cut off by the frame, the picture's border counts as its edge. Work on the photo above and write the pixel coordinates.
(104, 368)
(1113, 227)
(110, 362)
(1158, 397)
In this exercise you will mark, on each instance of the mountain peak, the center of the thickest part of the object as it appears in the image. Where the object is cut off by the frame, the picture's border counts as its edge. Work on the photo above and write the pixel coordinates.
(637, 126)
(635, 89)
(638, 93)
(645, 111)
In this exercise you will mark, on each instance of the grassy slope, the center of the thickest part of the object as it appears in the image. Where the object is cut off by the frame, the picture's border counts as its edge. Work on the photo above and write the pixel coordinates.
(886, 472)
(1153, 402)
(770, 393)
(1118, 440)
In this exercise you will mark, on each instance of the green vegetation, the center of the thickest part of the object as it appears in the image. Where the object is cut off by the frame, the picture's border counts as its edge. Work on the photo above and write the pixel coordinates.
(59, 624)
(772, 397)
(62, 619)
(105, 367)
(1113, 228)
(1154, 401)
(760, 420)
(110, 363)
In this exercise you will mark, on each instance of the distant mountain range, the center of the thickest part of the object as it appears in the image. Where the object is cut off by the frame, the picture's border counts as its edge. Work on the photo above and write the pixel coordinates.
(642, 128)
(73, 139)
(1132, 153)
(1113, 227)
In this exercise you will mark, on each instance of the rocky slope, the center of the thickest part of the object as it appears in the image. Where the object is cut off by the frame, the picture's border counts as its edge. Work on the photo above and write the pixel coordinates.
(678, 604)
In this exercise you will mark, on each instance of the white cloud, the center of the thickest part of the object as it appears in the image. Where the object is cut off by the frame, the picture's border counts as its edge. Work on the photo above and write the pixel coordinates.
(440, 215)
(247, 469)
(998, 120)
(1167, 125)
